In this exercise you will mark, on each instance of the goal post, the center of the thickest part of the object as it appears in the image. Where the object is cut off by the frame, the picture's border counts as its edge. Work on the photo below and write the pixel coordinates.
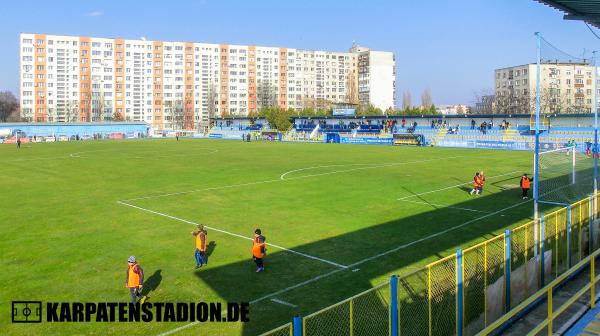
(565, 175)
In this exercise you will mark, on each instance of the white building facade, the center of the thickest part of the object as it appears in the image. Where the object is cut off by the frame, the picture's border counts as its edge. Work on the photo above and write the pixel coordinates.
(564, 88)
(181, 85)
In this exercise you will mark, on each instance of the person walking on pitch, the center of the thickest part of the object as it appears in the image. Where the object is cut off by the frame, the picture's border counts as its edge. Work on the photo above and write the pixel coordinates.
(200, 241)
(476, 184)
(134, 280)
(482, 179)
(258, 253)
(525, 183)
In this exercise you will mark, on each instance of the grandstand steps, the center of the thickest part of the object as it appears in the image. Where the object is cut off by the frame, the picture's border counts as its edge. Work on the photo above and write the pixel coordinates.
(563, 321)
(440, 135)
(509, 134)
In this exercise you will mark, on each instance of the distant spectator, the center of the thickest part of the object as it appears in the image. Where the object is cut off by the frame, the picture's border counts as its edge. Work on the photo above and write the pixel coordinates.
(403, 122)
(588, 148)
(472, 124)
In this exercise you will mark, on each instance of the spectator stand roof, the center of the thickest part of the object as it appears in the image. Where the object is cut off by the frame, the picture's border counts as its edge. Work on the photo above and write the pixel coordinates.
(583, 10)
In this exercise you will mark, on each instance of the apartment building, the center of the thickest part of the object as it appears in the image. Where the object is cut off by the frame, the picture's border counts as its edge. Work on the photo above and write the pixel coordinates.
(181, 85)
(564, 88)
(376, 74)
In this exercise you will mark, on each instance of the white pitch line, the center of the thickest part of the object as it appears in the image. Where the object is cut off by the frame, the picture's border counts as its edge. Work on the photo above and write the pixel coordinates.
(233, 234)
(372, 166)
(325, 275)
(199, 190)
(450, 187)
(262, 298)
(445, 206)
(436, 234)
(283, 302)
(270, 181)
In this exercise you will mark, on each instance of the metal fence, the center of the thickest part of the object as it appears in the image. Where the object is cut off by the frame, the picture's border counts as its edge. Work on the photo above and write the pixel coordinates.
(465, 292)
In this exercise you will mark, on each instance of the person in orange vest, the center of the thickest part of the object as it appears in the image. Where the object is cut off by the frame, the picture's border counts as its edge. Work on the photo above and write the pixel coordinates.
(482, 179)
(525, 183)
(258, 253)
(476, 184)
(134, 279)
(200, 241)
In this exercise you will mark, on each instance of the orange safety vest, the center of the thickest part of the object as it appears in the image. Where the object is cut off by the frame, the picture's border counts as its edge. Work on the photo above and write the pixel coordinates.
(256, 250)
(133, 280)
(525, 183)
(199, 244)
(477, 181)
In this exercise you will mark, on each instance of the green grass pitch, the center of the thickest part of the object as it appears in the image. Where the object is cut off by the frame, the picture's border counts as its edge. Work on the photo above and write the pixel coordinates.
(338, 219)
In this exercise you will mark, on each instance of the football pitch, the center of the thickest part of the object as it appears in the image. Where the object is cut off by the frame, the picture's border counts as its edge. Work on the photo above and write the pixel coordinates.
(338, 220)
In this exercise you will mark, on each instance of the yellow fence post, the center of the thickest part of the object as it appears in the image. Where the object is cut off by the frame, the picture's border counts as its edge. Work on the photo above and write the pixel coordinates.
(351, 317)
(485, 284)
(580, 232)
(526, 261)
(593, 280)
(550, 311)
(556, 244)
(429, 295)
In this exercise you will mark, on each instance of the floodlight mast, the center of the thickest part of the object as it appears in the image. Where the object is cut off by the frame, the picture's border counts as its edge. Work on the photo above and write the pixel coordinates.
(536, 154)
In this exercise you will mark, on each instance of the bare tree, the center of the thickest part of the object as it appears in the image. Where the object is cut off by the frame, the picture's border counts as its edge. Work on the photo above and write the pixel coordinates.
(211, 100)
(406, 100)
(426, 100)
(352, 89)
(177, 112)
(511, 102)
(266, 94)
(308, 102)
(98, 103)
(8, 105)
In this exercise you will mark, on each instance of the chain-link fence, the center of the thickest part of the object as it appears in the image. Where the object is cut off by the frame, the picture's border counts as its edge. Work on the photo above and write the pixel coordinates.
(470, 289)
(364, 314)
(284, 330)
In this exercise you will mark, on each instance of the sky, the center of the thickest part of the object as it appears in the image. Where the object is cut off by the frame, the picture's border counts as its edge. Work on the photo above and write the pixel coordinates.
(448, 47)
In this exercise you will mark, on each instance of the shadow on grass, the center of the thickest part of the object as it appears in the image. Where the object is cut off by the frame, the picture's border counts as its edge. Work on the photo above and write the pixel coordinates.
(152, 282)
(211, 248)
(238, 282)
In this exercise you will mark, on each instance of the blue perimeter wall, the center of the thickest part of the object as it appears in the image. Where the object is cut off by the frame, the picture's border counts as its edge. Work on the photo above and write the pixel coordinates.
(58, 129)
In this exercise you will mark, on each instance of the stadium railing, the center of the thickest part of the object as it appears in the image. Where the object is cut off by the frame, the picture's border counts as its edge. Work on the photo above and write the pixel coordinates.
(546, 293)
(475, 291)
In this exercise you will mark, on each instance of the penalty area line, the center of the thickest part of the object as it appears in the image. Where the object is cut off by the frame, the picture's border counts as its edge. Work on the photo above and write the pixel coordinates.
(234, 234)
(450, 187)
(351, 266)
(445, 206)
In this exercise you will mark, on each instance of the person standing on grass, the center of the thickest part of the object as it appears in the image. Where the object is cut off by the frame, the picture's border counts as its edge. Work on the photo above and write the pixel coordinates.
(200, 241)
(18, 143)
(482, 178)
(525, 184)
(258, 253)
(134, 279)
(476, 184)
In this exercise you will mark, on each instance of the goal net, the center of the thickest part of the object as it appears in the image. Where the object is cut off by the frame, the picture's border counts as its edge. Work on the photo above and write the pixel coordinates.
(565, 175)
